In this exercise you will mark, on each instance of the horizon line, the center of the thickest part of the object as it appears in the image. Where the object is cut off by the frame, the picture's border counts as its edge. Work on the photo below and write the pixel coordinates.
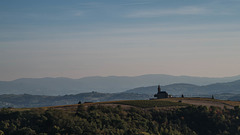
(105, 76)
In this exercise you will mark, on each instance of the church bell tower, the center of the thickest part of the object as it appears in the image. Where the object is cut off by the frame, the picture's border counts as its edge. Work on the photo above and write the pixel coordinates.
(159, 89)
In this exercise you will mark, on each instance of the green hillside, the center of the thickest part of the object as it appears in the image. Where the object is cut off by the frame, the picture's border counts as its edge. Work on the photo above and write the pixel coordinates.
(172, 116)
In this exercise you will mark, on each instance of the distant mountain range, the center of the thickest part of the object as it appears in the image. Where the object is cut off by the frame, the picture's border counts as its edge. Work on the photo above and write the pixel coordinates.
(111, 84)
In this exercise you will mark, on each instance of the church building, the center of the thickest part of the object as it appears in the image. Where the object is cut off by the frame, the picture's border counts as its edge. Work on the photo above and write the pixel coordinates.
(161, 94)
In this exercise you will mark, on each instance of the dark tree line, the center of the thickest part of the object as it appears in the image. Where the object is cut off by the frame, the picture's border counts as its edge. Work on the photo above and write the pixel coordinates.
(94, 120)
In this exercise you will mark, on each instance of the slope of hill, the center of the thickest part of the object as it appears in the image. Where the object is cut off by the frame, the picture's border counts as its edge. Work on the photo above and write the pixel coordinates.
(111, 84)
(26, 100)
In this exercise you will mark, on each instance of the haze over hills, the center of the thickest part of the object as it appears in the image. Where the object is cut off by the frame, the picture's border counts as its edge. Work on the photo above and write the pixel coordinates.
(110, 84)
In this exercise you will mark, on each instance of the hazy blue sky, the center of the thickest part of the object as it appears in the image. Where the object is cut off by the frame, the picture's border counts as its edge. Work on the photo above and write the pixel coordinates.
(78, 38)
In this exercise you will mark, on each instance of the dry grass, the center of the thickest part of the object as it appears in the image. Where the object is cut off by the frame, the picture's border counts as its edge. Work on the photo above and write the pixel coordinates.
(205, 102)
(150, 103)
(162, 103)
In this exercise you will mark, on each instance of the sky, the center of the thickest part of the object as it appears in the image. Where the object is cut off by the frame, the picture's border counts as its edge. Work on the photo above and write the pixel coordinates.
(79, 38)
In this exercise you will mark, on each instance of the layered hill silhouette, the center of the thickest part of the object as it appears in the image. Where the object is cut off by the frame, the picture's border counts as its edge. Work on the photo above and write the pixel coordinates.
(111, 84)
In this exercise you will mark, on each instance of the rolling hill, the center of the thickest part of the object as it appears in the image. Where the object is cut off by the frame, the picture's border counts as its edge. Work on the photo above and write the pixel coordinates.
(26, 100)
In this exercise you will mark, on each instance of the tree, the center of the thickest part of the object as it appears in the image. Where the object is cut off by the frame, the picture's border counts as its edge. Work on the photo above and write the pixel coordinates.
(26, 131)
(1, 132)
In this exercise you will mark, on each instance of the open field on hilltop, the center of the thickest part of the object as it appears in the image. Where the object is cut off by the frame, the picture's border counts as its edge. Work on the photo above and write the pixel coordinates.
(178, 102)
(160, 103)
(150, 103)
(205, 102)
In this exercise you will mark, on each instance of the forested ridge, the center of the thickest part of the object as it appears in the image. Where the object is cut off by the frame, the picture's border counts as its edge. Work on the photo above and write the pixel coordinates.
(99, 119)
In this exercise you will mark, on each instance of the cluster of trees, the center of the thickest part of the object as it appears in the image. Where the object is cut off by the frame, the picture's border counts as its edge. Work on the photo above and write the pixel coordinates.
(191, 120)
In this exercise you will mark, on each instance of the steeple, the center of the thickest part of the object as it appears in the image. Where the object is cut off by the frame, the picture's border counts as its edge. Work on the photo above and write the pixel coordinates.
(159, 89)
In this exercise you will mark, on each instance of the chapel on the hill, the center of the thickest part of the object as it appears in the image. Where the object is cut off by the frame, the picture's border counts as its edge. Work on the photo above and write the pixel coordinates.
(161, 94)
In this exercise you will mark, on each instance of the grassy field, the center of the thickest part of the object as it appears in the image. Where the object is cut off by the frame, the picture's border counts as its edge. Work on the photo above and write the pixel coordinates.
(149, 103)
(167, 102)
(178, 102)
(205, 102)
